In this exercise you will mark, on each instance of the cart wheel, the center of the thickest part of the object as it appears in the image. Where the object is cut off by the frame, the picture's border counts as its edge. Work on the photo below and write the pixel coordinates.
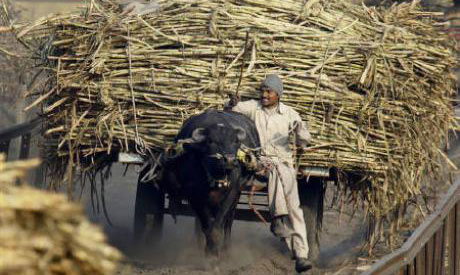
(148, 213)
(200, 239)
(312, 200)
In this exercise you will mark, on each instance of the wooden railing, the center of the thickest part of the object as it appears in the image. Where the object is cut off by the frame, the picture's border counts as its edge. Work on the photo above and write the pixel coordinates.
(22, 131)
(433, 248)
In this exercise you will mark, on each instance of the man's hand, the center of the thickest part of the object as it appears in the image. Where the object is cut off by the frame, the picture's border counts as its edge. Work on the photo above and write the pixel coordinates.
(234, 99)
(301, 150)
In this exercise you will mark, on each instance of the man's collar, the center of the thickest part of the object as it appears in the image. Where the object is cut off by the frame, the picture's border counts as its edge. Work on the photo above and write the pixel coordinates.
(281, 108)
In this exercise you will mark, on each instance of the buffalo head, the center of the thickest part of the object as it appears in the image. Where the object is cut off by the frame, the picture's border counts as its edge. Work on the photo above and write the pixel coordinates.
(218, 146)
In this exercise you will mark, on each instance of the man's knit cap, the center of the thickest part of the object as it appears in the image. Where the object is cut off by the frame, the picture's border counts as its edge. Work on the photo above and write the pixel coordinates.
(274, 83)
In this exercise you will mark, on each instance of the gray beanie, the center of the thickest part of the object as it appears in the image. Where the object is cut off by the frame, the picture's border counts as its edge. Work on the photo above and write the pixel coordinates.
(274, 83)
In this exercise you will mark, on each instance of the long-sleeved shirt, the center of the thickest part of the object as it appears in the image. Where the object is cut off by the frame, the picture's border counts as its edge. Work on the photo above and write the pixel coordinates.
(275, 126)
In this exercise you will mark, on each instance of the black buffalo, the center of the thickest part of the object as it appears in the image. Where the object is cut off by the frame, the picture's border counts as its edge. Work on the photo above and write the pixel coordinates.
(207, 173)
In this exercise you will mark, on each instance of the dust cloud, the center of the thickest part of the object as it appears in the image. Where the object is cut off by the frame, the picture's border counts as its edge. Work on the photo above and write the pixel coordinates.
(178, 248)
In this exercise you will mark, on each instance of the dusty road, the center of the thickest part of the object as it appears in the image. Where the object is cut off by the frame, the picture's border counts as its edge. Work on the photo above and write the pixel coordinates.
(254, 250)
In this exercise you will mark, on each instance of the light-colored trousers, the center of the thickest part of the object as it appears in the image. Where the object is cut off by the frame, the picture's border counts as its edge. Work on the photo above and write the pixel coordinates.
(284, 205)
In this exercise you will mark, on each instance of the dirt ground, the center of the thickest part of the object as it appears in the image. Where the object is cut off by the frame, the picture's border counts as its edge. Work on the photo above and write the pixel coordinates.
(254, 250)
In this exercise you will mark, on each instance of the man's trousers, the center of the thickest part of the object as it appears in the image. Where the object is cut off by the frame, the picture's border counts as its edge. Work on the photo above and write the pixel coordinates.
(284, 204)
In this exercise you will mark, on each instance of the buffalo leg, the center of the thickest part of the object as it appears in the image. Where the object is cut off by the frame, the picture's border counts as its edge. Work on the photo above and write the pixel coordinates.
(148, 213)
(203, 214)
(228, 205)
(199, 233)
(312, 199)
(214, 240)
(228, 226)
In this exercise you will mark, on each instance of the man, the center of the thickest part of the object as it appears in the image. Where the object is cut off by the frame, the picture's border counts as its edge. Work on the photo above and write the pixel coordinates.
(275, 122)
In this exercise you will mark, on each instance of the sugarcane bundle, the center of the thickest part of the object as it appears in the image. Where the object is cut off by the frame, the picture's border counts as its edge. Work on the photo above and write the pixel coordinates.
(373, 84)
(44, 233)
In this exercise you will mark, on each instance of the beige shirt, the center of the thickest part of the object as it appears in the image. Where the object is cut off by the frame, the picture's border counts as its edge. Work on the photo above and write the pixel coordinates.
(275, 127)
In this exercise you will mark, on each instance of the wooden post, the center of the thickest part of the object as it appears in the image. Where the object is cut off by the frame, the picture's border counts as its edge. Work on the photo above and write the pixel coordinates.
(403, 270)
(437, 240)
(411, 268)
(4, 148)
(39, 174)
(457, 239)
(452, 222)
(25, 145)
(420, 262)
(429, 249)
(445, 240)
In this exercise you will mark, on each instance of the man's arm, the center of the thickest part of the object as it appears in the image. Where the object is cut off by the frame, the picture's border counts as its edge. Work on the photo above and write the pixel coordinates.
(303, 136)
(246, 108)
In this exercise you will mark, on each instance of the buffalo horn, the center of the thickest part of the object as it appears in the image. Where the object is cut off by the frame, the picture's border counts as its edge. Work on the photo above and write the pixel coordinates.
(240, 133)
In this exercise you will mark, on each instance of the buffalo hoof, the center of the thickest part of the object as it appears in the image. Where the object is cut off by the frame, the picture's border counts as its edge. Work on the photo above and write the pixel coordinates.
(211, 264)
(214, 243)
(212, 250)
(302, 265)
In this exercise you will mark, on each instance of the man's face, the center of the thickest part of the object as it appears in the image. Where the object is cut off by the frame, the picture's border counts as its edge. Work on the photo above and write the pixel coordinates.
(268, 98)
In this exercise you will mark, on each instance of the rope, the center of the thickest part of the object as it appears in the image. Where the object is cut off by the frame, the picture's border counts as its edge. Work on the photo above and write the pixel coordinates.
(155, 163)
(251, 206)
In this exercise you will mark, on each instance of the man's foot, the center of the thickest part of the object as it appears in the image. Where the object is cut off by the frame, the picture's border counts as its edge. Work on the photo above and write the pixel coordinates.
(302, 265)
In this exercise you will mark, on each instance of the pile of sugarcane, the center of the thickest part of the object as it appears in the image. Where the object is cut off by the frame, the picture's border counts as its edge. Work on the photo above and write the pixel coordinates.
(373, 84)
(44, 233)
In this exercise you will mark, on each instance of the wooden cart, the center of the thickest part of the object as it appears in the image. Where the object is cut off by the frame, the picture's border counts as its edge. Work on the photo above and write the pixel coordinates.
(152, 205)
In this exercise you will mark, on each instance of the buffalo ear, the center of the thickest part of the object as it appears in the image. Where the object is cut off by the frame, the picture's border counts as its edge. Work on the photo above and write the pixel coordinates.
(199, 135)
(240, 133)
